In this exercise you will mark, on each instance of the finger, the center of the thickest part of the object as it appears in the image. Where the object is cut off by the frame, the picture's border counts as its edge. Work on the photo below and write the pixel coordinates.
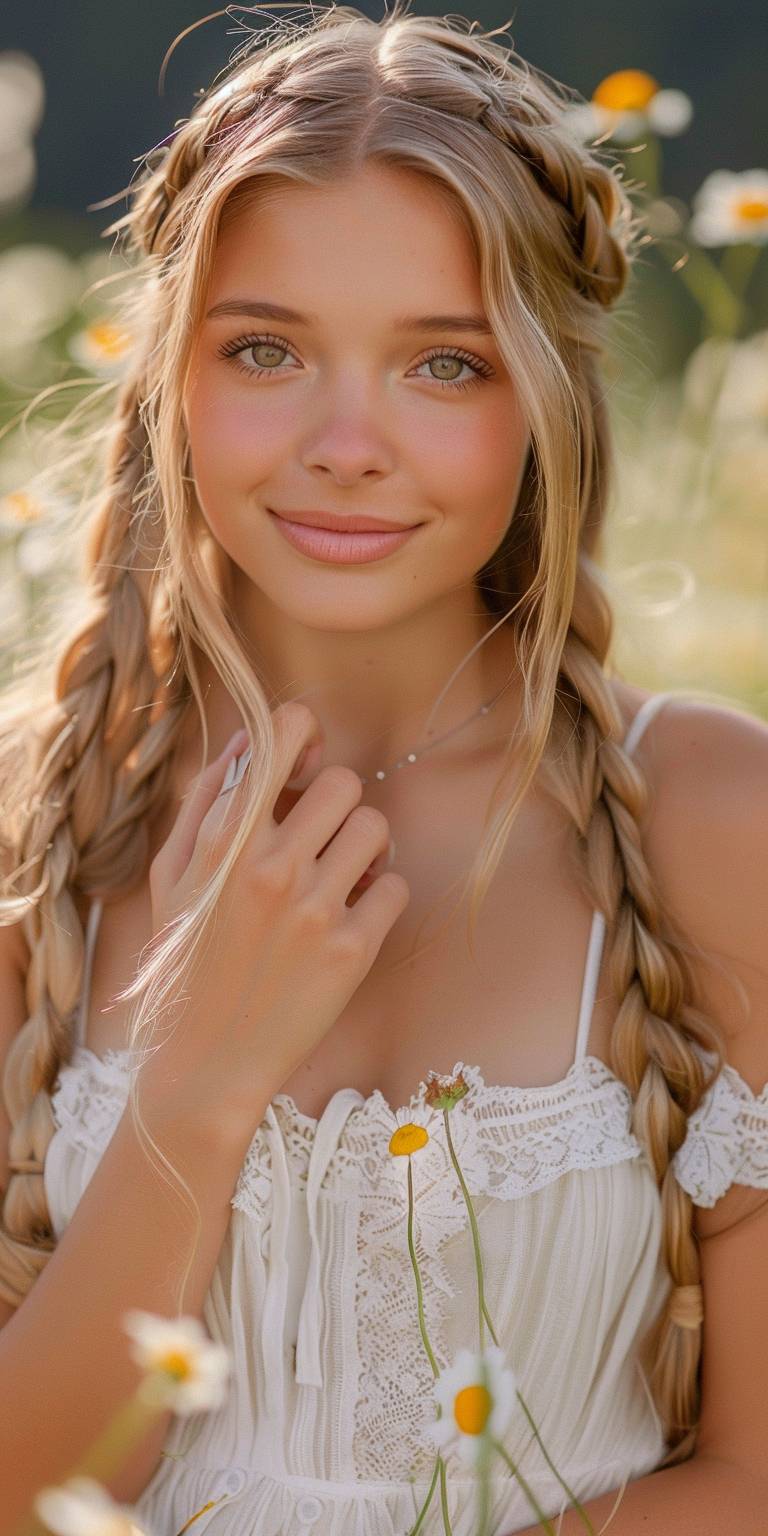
(178, 848)
(299, 741)
(380, 905)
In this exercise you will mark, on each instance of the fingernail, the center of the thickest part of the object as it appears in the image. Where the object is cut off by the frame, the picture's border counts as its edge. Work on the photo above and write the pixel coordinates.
(241, 763)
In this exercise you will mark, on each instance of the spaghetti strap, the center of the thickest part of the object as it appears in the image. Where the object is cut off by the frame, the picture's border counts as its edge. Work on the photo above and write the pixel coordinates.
(94, 917)
(648, 709)
(589, 985)
(645, 714)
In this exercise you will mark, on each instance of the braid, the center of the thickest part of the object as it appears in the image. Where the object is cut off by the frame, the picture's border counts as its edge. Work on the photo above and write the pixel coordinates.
(652, 1044)
(102, 766)
(588, 193)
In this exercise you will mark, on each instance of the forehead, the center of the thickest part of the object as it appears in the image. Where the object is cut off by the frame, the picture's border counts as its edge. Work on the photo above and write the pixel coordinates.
(377, 238)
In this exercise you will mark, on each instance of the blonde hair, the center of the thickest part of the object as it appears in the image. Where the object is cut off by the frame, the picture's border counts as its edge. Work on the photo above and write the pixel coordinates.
(86, 747)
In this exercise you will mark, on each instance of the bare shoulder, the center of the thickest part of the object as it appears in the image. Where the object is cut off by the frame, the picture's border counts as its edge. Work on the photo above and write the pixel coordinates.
(705, 837)
(705, 840)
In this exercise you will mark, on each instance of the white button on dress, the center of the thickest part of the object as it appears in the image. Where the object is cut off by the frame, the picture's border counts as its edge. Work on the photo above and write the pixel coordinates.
(231, 1481)
(309, 1510)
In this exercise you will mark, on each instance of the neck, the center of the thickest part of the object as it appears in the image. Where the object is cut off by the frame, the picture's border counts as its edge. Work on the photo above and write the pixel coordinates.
(376, 705)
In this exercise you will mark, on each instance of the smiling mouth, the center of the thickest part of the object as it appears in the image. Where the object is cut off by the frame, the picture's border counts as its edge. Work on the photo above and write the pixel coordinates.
(331, 523)
(331, 547)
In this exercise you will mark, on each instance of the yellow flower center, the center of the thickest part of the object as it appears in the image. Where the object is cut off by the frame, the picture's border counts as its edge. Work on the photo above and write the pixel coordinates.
(471, 1407)
(22, 507)
(175, 1364)
(108, 339)
(628, 90)
(752, 208)
(407, 1138)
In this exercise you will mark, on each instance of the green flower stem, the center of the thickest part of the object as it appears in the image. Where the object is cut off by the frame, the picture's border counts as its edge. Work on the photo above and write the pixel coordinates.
(417, 1276)
(422, 1515)
(720, 306)
(491, 1328)
(481, 1307)
(577, 1506)
(739, 260)
(483, 1502)
(647, 158)
(547, 1524)
(447, 1527)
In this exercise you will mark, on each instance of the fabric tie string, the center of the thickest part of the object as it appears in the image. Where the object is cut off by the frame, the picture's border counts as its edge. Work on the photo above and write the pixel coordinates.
(308, 1368)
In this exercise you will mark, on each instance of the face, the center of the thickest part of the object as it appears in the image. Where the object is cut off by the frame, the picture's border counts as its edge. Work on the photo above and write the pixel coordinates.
(354, 404)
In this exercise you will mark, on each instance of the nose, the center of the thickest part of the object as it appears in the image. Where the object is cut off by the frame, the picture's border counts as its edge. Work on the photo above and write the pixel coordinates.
(350, 442)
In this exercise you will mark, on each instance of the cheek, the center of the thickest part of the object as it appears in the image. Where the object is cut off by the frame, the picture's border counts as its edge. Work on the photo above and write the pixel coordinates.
(232, 449)
(481, 461)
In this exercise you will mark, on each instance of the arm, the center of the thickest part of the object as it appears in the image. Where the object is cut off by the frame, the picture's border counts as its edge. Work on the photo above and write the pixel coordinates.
(701, 1497)
(127, 1245)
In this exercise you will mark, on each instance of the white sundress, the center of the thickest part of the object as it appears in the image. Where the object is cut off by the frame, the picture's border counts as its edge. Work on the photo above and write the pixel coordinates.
(322, 1430)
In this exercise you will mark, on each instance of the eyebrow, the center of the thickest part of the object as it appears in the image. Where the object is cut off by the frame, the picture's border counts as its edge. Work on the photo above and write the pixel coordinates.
(262, 309)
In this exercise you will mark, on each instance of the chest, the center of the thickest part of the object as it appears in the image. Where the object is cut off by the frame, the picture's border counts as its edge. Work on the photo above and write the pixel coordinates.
(428, 1001)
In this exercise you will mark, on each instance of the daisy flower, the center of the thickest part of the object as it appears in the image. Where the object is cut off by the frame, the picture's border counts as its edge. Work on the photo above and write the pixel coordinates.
(19, 508)
(731, 207)
(411, 1131)
(477, 1396)
(628, 104)
(101, 346)
(81, 1507)
(186, 1371)
(444, 1092)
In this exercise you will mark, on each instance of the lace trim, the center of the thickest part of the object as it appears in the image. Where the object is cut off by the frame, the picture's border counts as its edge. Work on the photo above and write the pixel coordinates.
(89, 1097)
(511, 1141)
(726, 1141)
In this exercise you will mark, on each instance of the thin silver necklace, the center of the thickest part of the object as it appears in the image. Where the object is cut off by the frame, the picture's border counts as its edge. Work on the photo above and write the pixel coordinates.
(412, 757)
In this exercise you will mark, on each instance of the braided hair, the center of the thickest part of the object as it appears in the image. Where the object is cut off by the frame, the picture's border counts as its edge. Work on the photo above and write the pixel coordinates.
(554, 232)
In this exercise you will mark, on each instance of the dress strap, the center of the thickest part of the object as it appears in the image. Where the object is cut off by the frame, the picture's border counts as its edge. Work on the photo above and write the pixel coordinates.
(645, 714)
(92, 926)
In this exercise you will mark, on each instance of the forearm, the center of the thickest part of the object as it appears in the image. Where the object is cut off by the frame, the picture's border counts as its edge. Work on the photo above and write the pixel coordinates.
(700, 1497)
(65, 1364)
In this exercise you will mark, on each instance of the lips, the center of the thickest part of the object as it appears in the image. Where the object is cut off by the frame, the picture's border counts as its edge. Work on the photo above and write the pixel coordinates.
(331, 547)
(338, 524)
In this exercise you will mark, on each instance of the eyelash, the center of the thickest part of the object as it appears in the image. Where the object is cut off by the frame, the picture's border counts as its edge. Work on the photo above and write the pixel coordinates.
(232, 349)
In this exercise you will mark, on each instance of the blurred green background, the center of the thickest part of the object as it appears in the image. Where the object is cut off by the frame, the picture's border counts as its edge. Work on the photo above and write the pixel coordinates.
(676, 90)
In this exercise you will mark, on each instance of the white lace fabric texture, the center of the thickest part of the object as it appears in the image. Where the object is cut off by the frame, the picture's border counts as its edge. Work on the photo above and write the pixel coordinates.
(314, 1294)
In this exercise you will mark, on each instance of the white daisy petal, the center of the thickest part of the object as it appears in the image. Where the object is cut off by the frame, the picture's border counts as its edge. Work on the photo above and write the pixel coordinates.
(468, 1448)
(582, 122)
(81, 1507)
(628, 127)
(471, 1370)
(670, 112)
(731, 207)
(207, 1364)
(440, 1432)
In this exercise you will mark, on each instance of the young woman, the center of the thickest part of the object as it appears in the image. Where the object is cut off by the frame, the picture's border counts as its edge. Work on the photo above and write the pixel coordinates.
(359, 467)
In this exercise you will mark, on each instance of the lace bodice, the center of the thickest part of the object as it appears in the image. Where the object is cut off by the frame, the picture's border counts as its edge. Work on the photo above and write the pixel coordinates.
(313, 1291)
(518, 1139)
